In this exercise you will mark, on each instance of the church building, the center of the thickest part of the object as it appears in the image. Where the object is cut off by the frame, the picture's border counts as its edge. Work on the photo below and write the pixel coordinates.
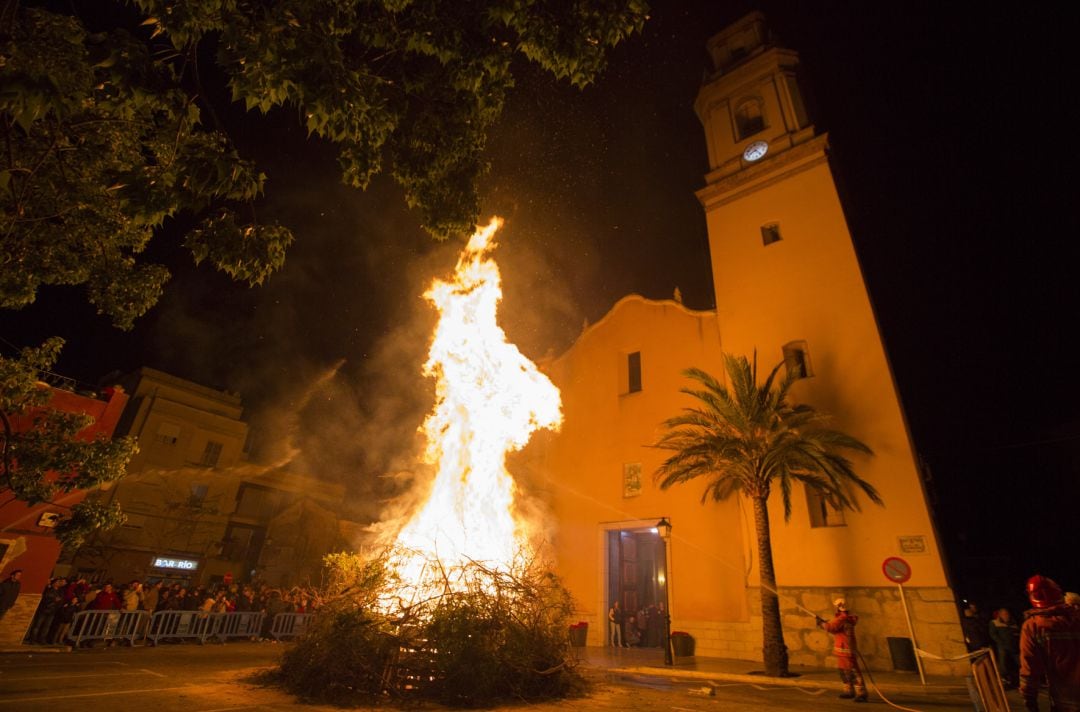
(788, 288)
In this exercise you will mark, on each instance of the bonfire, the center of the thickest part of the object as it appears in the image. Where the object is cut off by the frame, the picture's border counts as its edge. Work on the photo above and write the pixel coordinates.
(489, 399)
(458, 608)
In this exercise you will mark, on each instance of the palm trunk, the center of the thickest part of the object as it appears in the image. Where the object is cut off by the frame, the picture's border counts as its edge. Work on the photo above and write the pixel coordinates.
(774, 651)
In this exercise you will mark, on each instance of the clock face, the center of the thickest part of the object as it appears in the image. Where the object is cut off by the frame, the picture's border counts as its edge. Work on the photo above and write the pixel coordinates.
(756, 151)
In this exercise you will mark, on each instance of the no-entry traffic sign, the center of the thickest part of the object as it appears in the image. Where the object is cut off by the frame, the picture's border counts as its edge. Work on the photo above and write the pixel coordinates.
(896, 569)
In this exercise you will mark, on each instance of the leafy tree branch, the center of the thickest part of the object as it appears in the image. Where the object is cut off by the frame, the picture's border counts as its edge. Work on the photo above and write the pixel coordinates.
(43, 456)
(110, 133)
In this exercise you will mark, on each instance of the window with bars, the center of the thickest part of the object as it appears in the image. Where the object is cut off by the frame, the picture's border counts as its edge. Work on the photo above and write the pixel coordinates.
(198, 494)
(167, 433)
(822, 512)
(211, 454)
(797, 359)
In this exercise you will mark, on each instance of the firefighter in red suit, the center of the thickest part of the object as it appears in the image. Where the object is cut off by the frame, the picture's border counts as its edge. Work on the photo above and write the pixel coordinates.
(1050, 648)
(842, 626)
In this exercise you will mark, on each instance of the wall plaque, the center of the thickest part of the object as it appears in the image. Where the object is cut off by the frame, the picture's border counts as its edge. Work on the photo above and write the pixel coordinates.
(914, 544)
(631, 479)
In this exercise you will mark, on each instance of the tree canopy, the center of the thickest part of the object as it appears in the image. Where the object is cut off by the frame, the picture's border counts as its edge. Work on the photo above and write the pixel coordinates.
(110, 130)
(113, 137)
(45, 457)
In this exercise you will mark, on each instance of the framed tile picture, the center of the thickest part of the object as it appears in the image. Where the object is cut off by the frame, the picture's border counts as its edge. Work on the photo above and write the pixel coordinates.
(631, 479)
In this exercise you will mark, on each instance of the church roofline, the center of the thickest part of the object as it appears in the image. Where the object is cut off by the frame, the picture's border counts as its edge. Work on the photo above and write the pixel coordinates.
(699, 313)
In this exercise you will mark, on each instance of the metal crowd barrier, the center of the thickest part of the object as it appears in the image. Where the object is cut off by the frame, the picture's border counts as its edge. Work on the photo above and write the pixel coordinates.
(238, 624)
(107, 625)
(181, 624)
(201, 625)
(177, 625)
(290, 625)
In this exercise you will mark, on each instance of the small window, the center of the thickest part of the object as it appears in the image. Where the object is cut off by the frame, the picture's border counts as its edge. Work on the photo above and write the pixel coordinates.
(633, 368)
(211, 454)
(822, 512)
(167, 433)
(198, 494)
(797, 359)
(242, 542)
(749, 118)
(770, 233)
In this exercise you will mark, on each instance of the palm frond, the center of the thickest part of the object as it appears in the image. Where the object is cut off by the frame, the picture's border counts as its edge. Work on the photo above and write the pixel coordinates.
(745, 436)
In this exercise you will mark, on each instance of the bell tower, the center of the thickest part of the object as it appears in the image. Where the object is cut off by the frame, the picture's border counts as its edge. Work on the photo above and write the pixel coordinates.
(790, 289)
(751, 105)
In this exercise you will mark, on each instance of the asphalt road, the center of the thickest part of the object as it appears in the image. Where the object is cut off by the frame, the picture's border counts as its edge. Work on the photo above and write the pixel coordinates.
(219, 678)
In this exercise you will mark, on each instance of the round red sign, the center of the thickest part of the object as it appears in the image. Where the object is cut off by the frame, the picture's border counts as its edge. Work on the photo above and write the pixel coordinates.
(896, 569)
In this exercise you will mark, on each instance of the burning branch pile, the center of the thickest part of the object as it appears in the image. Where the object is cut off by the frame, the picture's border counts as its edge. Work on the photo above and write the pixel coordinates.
(488, 636)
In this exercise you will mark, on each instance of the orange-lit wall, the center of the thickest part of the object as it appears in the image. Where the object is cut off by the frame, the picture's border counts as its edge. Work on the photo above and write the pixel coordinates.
(605, 428)
(809, 287)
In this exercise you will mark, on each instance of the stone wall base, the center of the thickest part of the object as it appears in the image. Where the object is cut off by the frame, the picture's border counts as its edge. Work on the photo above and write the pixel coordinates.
(934, 615)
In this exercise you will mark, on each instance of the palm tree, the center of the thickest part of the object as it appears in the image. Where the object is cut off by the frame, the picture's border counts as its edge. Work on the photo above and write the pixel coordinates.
(743, 439)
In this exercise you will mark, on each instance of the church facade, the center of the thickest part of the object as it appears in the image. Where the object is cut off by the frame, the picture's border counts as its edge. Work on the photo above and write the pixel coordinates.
(788, 288)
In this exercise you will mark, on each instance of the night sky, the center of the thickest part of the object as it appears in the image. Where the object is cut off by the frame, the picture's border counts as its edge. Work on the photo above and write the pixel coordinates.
(952, 138)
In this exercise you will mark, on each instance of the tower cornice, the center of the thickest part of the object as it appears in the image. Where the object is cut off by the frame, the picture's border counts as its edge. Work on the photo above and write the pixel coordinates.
(721, 188)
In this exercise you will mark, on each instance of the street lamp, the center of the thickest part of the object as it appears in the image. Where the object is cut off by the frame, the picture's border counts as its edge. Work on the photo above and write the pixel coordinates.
(663, 528)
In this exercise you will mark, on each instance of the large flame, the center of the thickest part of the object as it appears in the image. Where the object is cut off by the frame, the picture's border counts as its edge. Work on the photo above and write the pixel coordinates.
(489, 400)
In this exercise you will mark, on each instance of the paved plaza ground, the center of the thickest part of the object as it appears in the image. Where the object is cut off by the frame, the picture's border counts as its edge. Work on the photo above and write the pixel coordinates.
(220, 678)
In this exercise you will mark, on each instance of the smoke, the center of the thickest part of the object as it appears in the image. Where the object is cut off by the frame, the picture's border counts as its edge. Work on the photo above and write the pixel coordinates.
(328, 353)
(356, 421)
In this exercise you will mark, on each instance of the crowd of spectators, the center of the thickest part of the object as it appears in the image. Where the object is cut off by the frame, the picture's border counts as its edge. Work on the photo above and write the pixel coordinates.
(62, 599)
(646, 628)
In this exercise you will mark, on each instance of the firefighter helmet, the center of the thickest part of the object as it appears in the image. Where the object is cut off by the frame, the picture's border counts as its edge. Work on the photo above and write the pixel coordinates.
(1043, 592)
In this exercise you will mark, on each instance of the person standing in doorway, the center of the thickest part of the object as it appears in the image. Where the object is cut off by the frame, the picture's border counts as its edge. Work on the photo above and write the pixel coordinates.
(615, 625)
(842, 627)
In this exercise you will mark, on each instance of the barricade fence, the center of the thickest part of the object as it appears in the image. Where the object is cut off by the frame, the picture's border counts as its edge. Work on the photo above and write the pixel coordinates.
(290, 625)
(132, 626)
(178, 625)
(88, 626)
(244, 624)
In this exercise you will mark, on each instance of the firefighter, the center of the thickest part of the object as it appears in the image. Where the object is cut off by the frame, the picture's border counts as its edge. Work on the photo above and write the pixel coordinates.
(1050, 648)
(842, 626)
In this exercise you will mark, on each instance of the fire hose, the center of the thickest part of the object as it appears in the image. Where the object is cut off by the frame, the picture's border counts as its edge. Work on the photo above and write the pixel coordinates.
(862, 660)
